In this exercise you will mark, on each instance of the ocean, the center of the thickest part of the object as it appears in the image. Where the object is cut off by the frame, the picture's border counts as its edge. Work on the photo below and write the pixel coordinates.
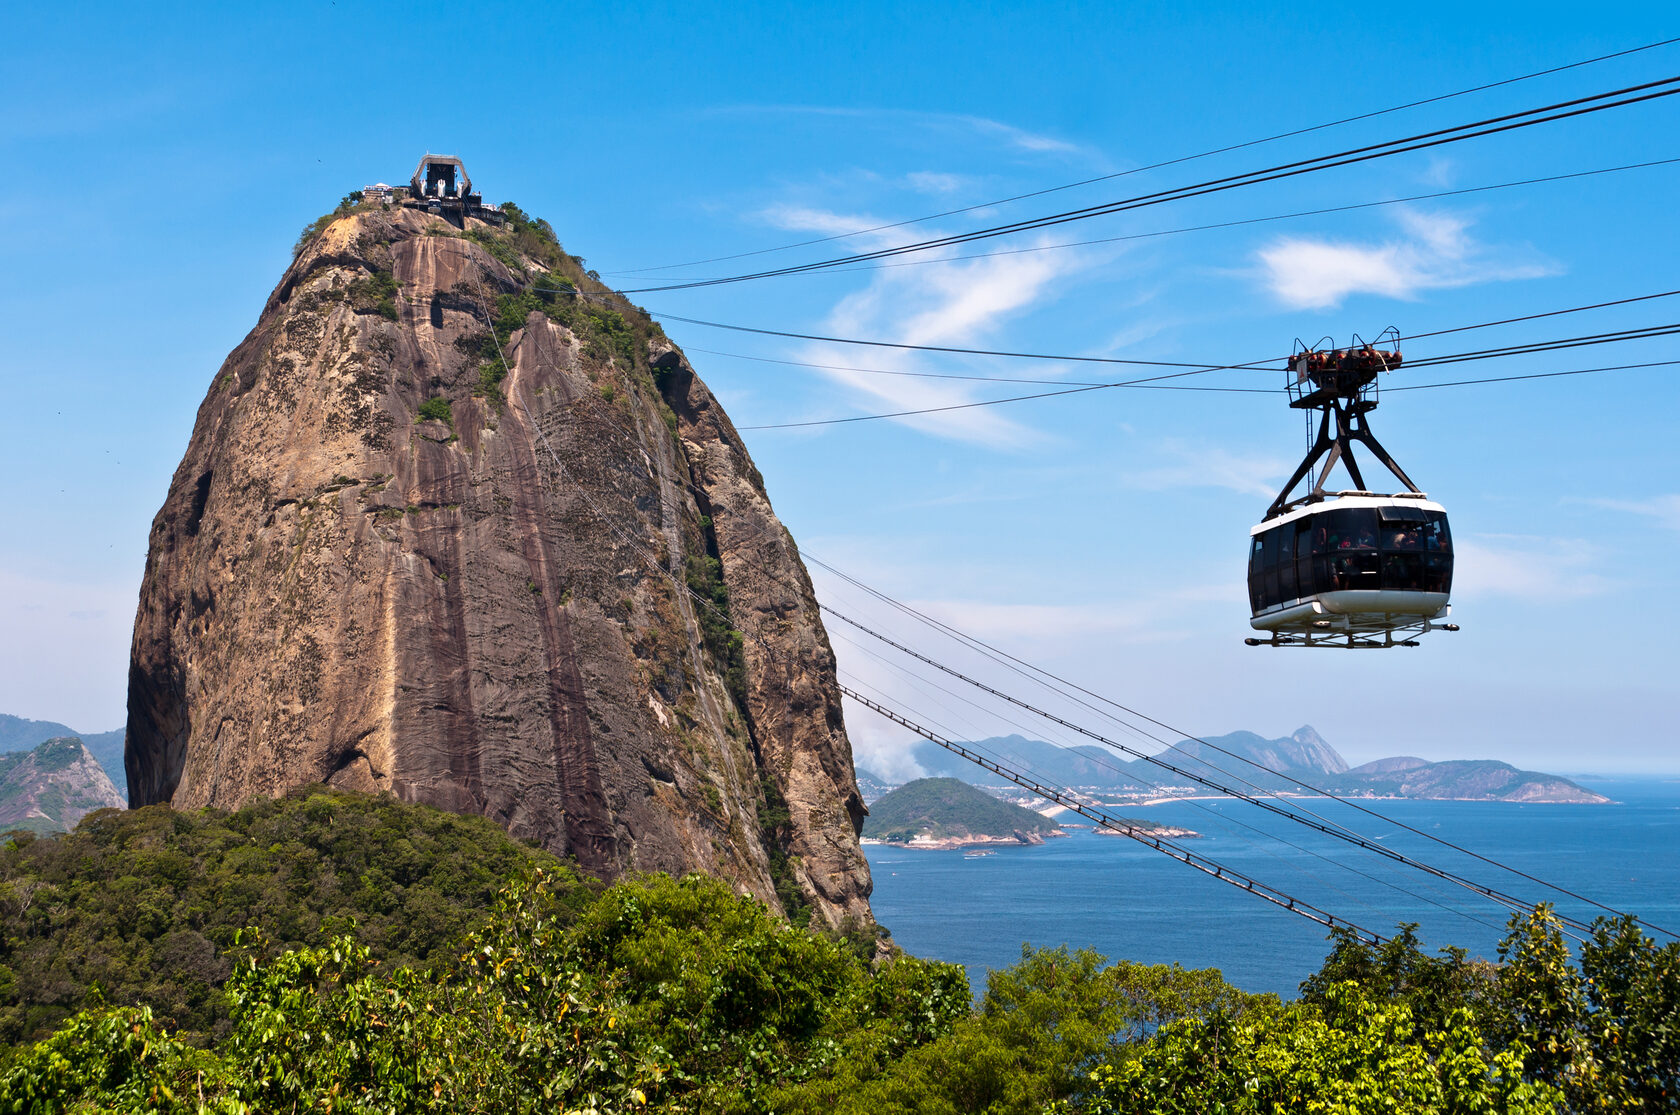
(1130, 902)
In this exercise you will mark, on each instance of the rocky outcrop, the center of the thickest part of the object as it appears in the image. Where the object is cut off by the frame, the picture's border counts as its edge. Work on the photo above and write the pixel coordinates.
(52, 787)
(446, 530)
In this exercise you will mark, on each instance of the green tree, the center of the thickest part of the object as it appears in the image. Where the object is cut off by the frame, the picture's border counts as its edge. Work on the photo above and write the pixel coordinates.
(1350, 1056)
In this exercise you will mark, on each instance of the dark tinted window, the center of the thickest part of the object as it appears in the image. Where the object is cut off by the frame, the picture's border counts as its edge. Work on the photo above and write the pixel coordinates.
(1434, 533)
(1350, 528)
(1402, 571)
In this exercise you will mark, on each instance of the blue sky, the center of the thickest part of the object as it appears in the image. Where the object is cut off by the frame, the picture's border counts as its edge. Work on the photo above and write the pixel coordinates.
(162, 161)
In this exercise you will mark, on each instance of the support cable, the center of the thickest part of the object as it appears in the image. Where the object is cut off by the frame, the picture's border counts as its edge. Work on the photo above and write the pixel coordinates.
(1461, 192)
(1062, 686)
(1561, 110)
(923, 683)
(1120, 825)
(1169, 162)
(1337, 831)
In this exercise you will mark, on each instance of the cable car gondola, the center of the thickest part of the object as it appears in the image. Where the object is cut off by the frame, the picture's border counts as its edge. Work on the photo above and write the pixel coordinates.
(1352, 568)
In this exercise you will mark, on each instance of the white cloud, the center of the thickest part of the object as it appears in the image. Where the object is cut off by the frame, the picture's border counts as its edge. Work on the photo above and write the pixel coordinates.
(931, 182)
(956, 303)
(1664, 509)
(1186, 465)
(1525, 567)
(800, 218)
(1008, 135)
(1432, 252)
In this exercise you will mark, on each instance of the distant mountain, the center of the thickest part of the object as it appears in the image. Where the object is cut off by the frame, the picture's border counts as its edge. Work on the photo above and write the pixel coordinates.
(1463, 779)
(18, 734)
(1304, 756)
(947, 811)
(53, 786)
(872, 786)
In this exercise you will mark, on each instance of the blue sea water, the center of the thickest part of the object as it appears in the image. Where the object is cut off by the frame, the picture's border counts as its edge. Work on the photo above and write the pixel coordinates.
(1130, 902)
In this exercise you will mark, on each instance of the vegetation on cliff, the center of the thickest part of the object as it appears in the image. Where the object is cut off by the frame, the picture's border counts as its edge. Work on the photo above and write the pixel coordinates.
(662, 994)
(949, 809)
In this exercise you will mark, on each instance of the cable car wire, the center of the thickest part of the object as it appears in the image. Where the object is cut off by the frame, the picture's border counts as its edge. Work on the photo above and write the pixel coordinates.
(923, 683)
(1336, 831)
(1645, 333)
(1147, 385)
(1028, 670)
(1561, 110)
(1532, 375)
(1164, 163)
(1245, 221)
(1204, 864)
(614, 298)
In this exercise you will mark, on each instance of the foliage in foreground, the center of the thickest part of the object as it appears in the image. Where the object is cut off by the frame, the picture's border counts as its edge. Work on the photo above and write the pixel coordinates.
(672, 995)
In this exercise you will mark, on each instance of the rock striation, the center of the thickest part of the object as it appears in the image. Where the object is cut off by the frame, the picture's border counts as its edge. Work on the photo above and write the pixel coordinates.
(458, 524)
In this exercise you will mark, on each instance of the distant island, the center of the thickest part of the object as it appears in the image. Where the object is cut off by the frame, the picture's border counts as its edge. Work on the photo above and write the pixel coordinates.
(950, 813)
(1303, 757)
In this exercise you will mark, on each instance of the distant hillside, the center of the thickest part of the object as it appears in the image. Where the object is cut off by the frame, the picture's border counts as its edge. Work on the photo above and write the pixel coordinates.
(18, 734)
(1305, 756)
(872, 786)
(50, 788)
(950, 811)
(1464, 779)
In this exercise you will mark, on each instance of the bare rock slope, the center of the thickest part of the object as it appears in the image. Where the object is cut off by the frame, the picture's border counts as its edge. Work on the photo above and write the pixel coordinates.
(53, 786)
(457, 524)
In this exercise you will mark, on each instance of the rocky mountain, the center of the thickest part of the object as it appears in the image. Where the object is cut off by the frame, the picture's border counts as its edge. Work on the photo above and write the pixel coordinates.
(17, 733)
(50, 788)
(948, 812)
(1305, 756)
(1464, 779)
(457, 523)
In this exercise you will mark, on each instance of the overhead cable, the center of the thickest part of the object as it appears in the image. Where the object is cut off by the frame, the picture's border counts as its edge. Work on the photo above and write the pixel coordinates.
(1072, 690)
(1335, 831)
(923, 684)
(1166, 162)
(1436, 195)
(1562, 110)
(1120, 825)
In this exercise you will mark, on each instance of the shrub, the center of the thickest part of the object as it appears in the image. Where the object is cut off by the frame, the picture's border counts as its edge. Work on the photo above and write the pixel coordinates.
(437, 409)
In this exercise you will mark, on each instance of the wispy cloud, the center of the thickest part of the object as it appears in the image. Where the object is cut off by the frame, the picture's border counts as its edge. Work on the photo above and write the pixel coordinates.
(1664, 509)
(1528, 568)
(932, 182)
(1187, 465)
(959, 303)
(1433, 251)
(1008, 136)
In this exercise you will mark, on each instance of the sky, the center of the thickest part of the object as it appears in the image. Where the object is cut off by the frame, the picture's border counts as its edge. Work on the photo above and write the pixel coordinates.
(163, 159)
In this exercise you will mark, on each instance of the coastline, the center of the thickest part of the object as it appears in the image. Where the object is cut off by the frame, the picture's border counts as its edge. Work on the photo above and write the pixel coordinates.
(972, 840)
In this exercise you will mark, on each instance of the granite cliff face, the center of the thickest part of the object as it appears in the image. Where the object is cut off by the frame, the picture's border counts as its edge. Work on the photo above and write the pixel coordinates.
(443, 529)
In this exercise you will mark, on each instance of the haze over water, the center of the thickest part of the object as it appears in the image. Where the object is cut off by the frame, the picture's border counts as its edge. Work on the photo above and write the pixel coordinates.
(1130, 902)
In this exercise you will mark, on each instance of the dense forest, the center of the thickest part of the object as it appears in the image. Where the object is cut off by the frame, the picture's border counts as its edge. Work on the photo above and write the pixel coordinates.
(338, 952)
